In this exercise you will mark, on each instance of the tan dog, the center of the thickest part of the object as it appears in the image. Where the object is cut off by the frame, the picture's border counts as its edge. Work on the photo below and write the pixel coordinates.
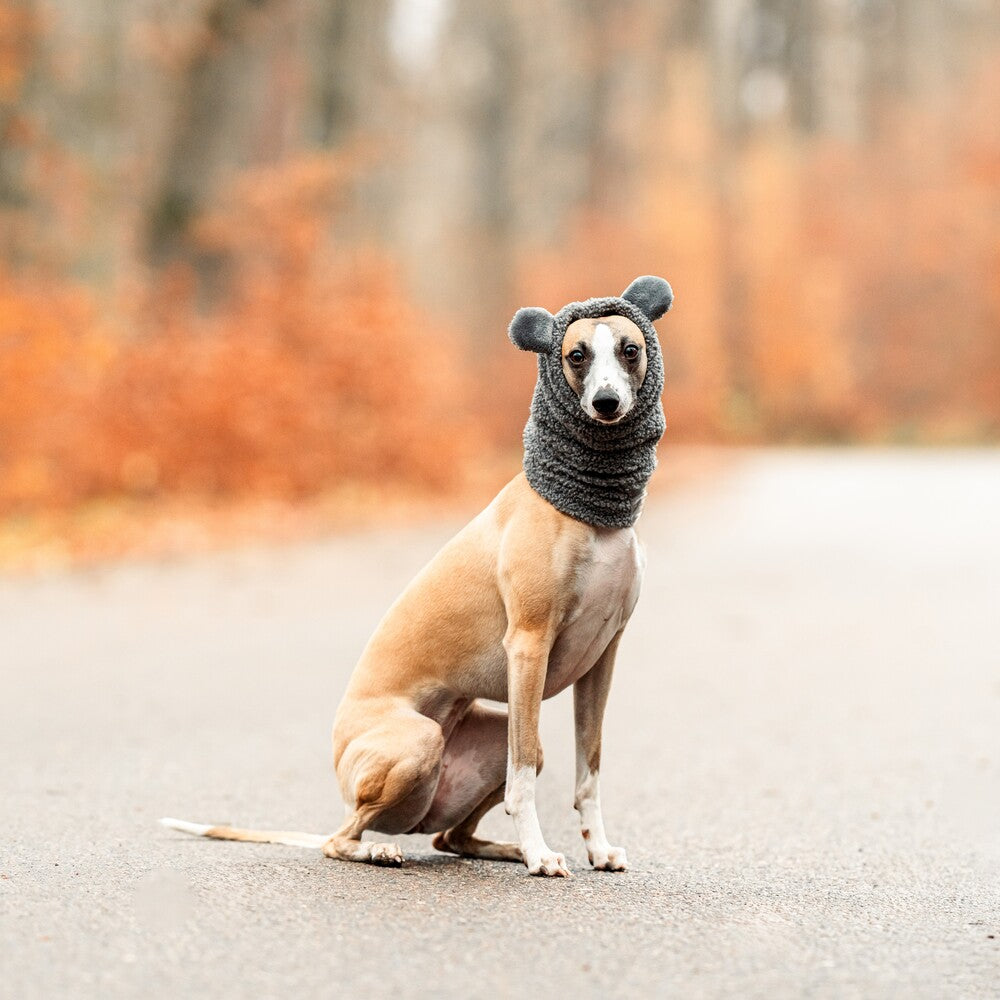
(523, 603)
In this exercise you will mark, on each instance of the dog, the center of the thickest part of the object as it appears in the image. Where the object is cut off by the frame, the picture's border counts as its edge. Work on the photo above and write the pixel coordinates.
(526, 601)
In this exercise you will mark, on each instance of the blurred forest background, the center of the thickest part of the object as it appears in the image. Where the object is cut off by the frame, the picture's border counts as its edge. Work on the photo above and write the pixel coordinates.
(269, 248)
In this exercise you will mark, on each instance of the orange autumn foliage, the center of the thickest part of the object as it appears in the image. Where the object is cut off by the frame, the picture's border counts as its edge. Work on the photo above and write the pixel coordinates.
(828, 289)
(310, 370)
(825, 291)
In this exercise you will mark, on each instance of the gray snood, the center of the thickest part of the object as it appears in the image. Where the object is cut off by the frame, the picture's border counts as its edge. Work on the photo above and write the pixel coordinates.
(596, 473)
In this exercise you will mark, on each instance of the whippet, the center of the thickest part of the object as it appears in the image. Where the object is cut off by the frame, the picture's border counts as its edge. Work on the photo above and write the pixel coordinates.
(523, 603)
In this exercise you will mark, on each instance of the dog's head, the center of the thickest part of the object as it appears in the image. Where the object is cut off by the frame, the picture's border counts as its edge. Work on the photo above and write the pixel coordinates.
(604, 361)
(604, 357)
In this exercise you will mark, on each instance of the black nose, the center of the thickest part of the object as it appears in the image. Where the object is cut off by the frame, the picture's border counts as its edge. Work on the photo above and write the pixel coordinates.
(606, 402)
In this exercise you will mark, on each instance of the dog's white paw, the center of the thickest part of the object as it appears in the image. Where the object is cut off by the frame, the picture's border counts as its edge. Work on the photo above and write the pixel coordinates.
(611, 859)
(548, 864)
(388, 855)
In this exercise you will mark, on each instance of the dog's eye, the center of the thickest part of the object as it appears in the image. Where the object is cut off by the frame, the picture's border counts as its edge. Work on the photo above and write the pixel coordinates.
(631, 352)
(575, 357)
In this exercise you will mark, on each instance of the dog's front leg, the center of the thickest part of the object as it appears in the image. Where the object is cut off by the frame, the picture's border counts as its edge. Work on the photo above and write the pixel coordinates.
(527, 662)
(590, 695)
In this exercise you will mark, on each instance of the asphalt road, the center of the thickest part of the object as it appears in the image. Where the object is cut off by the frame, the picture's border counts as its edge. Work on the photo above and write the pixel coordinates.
(802, 757)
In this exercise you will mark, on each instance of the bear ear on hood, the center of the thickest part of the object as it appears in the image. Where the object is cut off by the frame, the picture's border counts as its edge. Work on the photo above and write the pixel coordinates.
(650, 295)
(531, 329)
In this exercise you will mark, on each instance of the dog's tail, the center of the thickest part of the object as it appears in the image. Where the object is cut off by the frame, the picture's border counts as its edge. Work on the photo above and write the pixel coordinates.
(287, 837)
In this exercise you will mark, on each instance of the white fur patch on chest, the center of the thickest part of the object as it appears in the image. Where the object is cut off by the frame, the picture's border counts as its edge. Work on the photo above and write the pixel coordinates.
(608, 584)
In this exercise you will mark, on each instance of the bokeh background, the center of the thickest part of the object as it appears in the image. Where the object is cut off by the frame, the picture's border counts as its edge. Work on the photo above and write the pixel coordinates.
(257, 257)
(257, 262)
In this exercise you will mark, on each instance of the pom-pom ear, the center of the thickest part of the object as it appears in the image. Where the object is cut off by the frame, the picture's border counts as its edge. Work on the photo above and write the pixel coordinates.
(651, 295)
(531, 329)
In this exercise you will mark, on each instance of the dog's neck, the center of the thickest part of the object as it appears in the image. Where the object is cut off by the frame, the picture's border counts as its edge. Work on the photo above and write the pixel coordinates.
(592, 477)
(596, 473)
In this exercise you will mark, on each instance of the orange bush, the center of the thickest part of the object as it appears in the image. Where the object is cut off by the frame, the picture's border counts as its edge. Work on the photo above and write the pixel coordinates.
(825, 290)
(53, 351)
(310, 369)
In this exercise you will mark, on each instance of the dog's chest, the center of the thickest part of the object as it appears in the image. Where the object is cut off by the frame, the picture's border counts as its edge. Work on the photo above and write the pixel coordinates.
(607, 584)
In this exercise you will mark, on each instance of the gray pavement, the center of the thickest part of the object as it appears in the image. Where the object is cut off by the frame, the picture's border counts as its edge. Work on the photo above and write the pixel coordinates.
(802, 757)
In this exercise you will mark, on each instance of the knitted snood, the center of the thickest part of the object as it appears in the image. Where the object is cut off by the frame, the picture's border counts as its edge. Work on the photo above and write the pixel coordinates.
(594, 472)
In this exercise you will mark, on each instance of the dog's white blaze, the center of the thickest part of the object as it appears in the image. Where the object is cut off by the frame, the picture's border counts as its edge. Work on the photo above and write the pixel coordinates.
(605, 372)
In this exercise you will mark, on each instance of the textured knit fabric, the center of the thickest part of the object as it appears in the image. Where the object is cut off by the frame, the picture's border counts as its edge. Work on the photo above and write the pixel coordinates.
(594, 472)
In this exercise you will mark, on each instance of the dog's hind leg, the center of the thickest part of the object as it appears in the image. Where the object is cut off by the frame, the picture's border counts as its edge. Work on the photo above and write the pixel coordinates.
(388, 775)
(346, 845)
(461, 839)
(474, 759)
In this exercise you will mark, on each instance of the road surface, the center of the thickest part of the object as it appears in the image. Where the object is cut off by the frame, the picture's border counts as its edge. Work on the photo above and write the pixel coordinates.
(802, 757)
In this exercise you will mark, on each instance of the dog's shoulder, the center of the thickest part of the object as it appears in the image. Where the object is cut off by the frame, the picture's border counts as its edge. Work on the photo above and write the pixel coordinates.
(540, 548)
